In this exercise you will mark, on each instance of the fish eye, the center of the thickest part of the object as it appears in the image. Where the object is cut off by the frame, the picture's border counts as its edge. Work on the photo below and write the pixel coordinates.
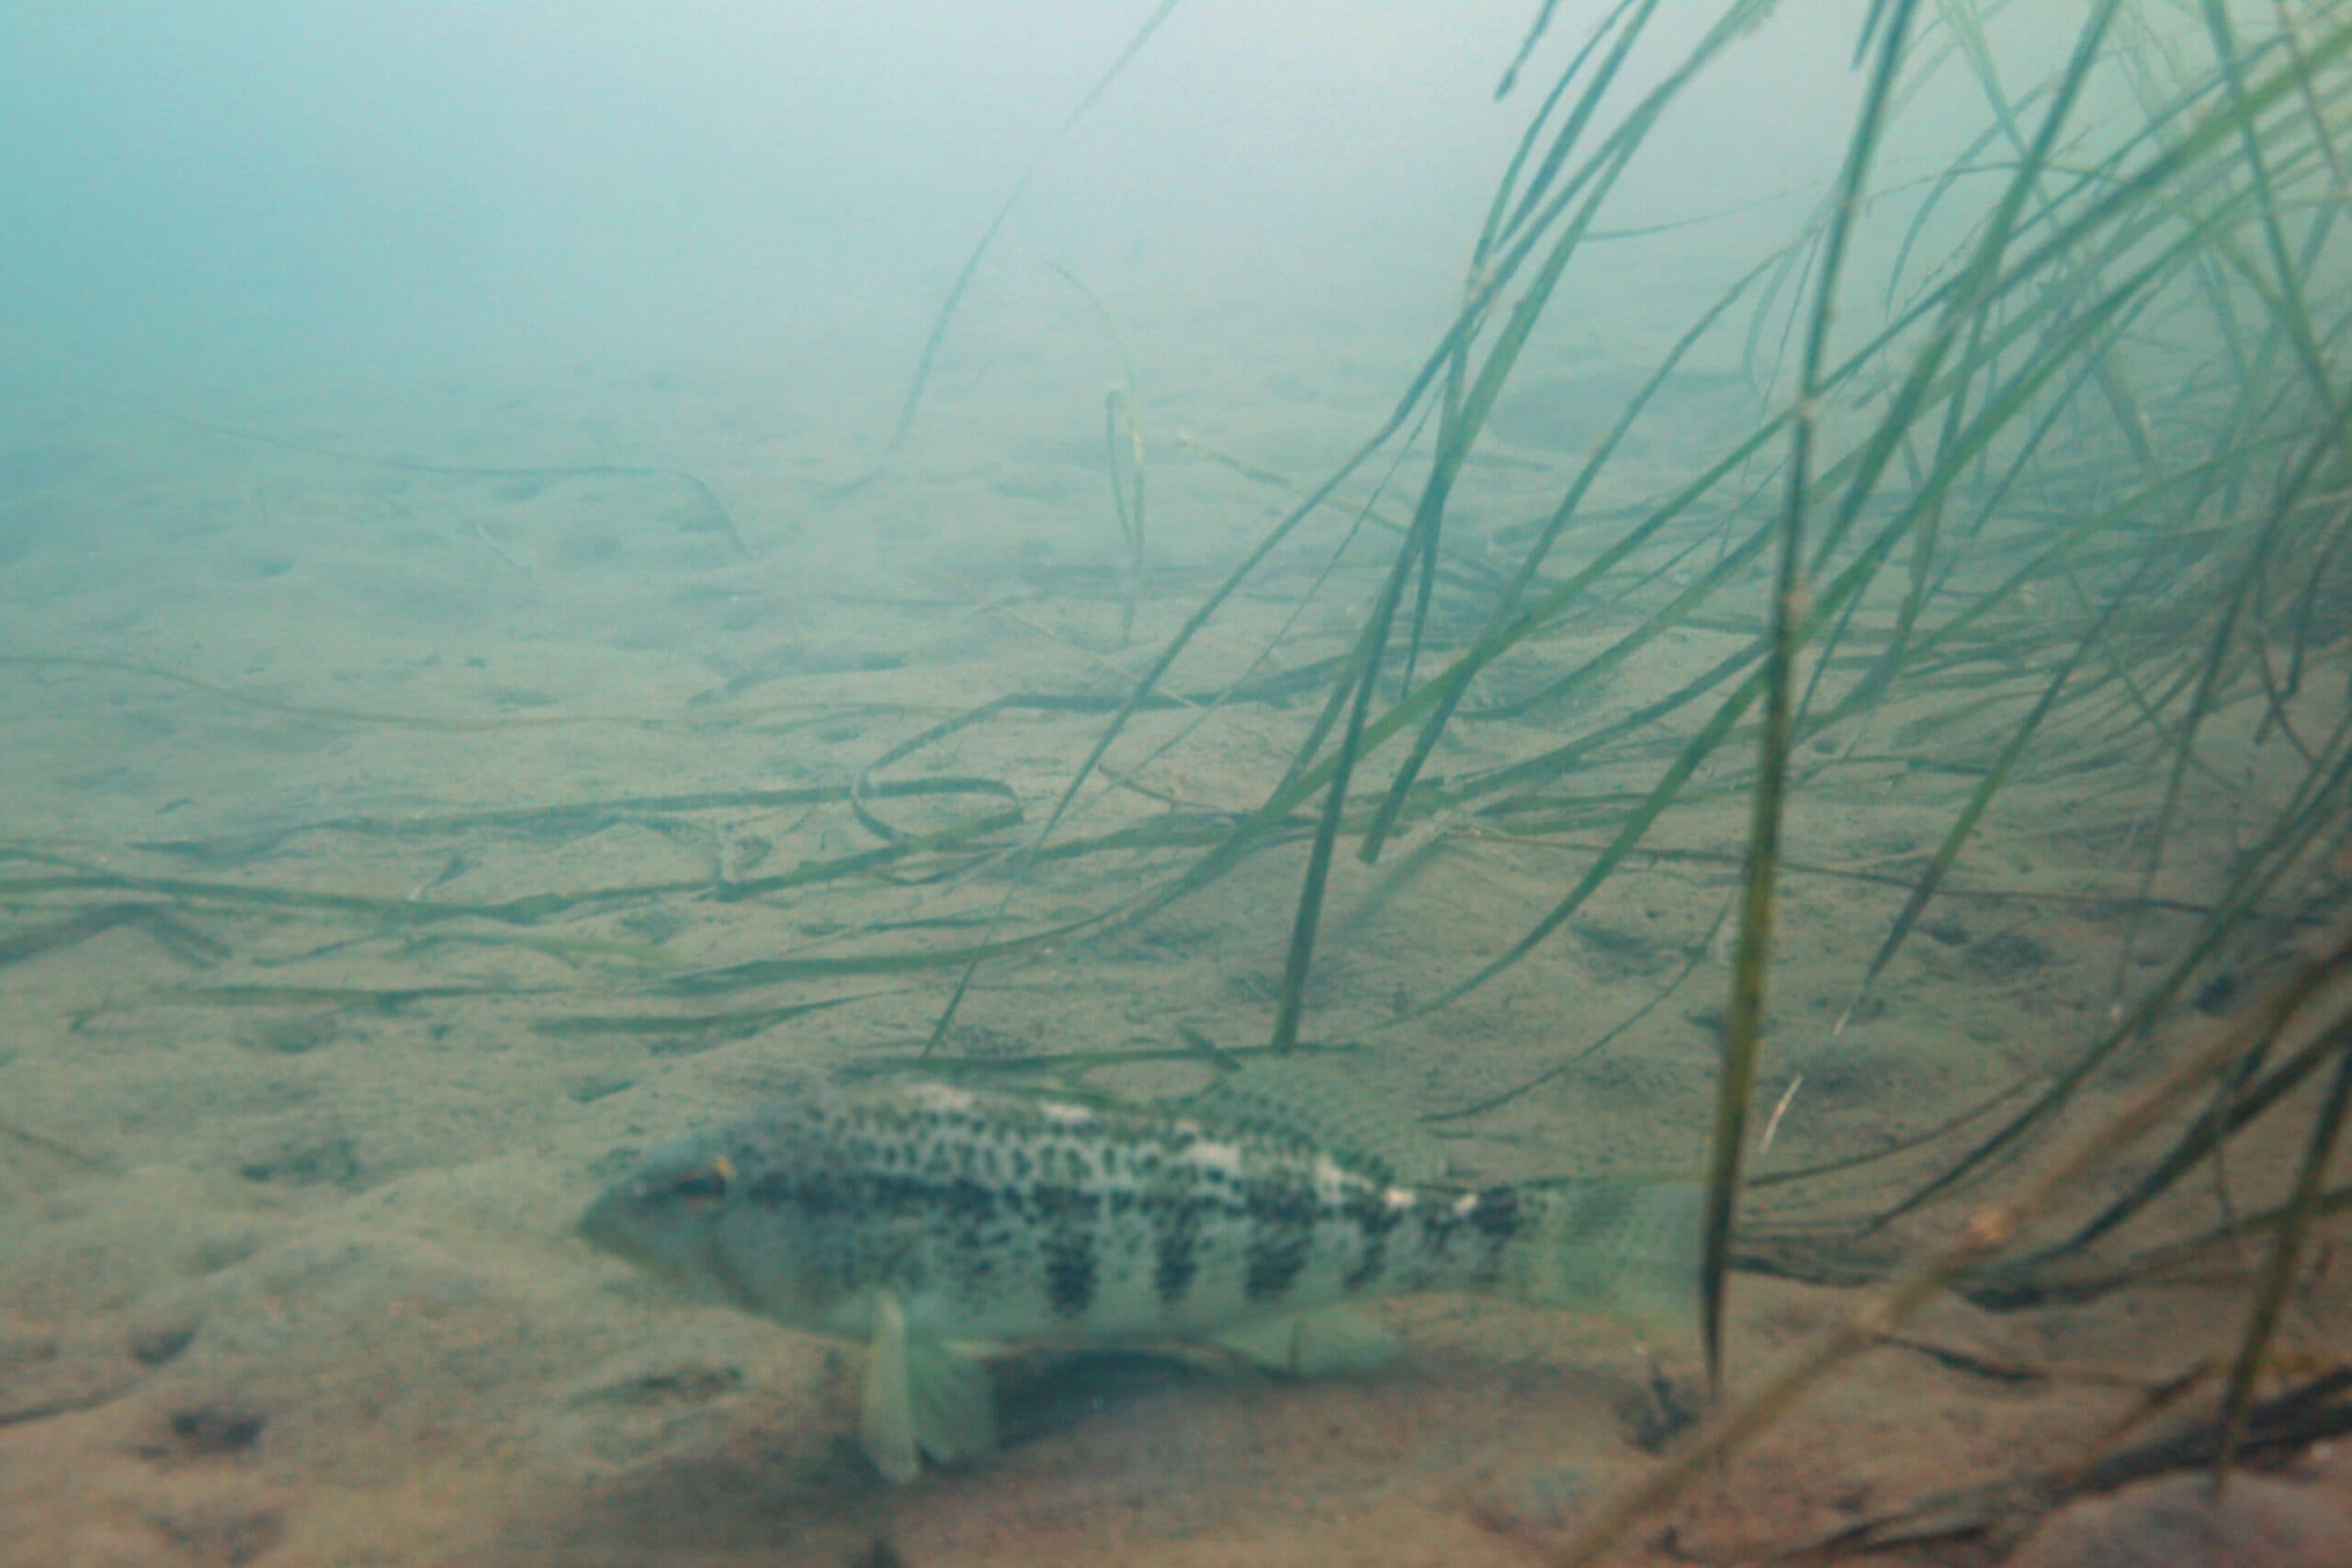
(706, 1184)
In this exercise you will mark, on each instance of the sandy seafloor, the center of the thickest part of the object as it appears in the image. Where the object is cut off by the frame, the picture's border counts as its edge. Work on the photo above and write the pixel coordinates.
(287, 1273)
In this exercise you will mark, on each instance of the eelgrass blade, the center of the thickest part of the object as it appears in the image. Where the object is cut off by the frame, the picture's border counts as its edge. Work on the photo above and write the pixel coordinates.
(1456, 679)
(1978, 1244)
(912, 404)
(2287, 1248)
(1979, 799)
(1743, 1030)
(2261, 869)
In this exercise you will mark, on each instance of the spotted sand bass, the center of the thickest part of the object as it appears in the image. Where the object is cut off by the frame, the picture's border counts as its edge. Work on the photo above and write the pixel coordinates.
(929, 1221)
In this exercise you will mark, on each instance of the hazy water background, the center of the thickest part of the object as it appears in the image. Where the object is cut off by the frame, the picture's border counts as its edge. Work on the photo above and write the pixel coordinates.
(391, 199)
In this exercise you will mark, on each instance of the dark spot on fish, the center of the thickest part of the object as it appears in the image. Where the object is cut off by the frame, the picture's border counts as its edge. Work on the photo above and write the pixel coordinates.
(1177, 1259)
(1497, 1214)
(1276, 1259)
(1067, 1250)
(968, 1200)
(1069, 1272)
(1281, 1221)
(1376, 1218)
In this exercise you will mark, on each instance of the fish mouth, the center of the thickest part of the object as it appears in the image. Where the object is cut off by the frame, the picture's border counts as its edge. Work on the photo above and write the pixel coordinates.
(698, 1270)
(613, 1227)
(605, 1227)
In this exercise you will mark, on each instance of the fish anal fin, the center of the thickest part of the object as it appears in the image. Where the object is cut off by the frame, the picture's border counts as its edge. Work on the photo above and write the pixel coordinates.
(1330, 1339)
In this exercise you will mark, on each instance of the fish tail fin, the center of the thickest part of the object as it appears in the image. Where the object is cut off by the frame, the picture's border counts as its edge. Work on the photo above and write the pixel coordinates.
(1628, 1250)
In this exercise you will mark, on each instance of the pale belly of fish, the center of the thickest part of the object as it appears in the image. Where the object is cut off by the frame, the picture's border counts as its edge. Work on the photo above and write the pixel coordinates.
(926, 1219)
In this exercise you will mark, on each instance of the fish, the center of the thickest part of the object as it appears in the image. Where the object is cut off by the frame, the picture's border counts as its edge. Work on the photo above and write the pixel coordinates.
(937, 1224)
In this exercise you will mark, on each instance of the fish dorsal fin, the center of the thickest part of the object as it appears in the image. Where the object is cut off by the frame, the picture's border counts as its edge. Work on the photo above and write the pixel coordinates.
(1308, 1102)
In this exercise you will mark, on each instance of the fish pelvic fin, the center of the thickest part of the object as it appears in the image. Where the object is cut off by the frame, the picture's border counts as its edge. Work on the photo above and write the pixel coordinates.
(923, 1400)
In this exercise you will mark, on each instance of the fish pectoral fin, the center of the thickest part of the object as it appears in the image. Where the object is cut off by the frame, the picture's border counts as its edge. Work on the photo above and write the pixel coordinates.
(923, 1399)
(1330, 1339)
